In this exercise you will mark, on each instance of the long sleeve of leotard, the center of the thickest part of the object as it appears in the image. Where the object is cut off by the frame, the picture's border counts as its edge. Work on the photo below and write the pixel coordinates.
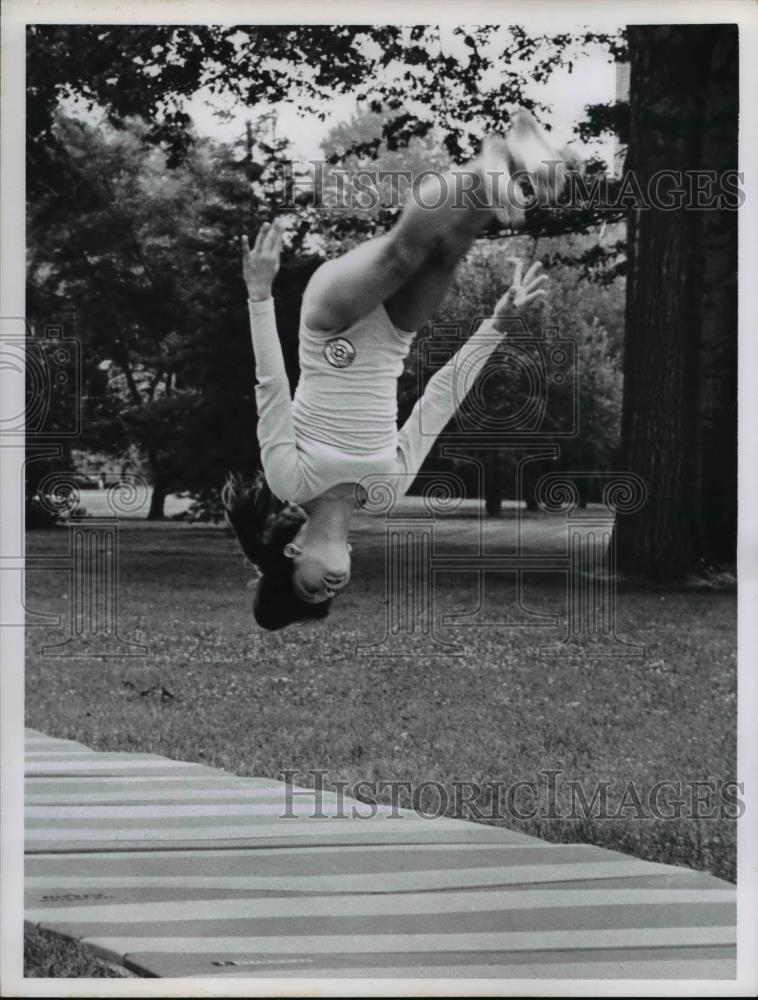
(443, 395)
(276, 431)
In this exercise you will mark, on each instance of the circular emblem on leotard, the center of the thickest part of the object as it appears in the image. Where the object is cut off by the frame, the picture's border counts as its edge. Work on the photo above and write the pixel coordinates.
(339, 352)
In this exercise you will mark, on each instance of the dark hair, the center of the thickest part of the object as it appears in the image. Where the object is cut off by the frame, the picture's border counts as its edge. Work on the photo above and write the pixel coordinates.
(263, 525)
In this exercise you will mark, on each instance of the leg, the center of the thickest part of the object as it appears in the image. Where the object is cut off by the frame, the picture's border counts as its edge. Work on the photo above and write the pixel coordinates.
(418, 299)
(441, 222)
(436, 228)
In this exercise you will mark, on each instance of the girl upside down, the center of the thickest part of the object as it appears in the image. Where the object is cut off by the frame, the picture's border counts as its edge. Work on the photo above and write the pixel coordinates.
(358, 317)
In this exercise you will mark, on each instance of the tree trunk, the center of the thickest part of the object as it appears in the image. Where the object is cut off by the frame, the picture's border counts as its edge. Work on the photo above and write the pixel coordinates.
(157, 500)
(679, 428)
(717, 469)
(160, 490)
(530, 494)
(540, 463)
(493, 484)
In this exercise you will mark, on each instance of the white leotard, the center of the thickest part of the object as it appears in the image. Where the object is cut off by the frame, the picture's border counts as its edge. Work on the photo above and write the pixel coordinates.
(341, 426)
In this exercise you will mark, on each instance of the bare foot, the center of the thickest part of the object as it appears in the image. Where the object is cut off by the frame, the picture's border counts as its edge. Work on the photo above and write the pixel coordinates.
(531, 153)
(524, 152)
(502, 191)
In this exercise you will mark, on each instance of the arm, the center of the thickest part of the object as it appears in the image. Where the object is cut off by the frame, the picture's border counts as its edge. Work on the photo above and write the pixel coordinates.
(447, 388)
(444, 393)
(276, 432)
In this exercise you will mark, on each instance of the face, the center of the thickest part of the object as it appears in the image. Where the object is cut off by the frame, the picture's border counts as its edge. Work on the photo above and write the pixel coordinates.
(321, 570)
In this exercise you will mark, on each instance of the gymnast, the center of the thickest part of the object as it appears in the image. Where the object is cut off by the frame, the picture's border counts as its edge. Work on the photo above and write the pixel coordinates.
(358, 320)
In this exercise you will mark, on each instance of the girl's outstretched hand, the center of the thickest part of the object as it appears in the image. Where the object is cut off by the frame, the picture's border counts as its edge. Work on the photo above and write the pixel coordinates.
(524, 289)
(260, 265)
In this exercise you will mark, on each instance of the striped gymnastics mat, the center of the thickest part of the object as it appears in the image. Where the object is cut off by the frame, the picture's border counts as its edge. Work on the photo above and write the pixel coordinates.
(176, 869)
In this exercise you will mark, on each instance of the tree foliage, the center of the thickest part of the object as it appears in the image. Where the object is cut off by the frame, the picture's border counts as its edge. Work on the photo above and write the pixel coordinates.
(463, 83)
(580, 414)
(459, 85)
(144, 262)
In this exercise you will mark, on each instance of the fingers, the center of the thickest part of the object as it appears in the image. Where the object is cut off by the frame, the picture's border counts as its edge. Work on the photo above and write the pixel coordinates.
(532, 271)
(261, 237)
(531, 282)
(530, 274)
(268, 240)
(273, 240)
(530, 285)
(517, 271)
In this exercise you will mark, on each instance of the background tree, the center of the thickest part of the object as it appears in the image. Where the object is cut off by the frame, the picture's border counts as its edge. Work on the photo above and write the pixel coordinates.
(134, 253)
(679, 428)
(144, 259)
(581, 415)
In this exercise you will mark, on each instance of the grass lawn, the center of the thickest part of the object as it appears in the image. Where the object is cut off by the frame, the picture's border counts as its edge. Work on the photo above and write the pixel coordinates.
(49, 955)
(215, 689)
